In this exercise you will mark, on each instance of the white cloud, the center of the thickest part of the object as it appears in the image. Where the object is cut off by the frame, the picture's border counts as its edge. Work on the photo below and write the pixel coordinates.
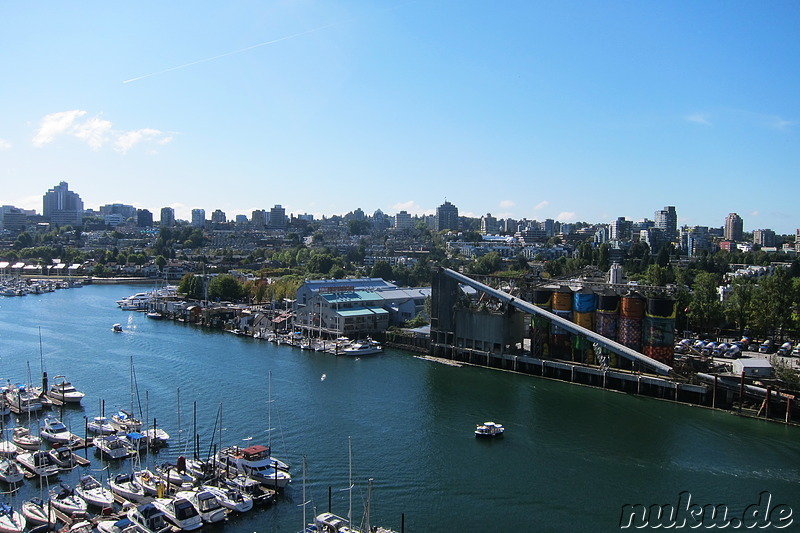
(412, 207)
(541, 205)
(699, 118)
(566, 216)
(5, 145)
(505, 204)
(753, 213)
(94, 131)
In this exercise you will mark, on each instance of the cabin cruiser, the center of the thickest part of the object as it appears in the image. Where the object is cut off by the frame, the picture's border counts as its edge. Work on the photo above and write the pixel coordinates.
(135, 302)
(362, 347)
(53, 430)
(94, 493)
(230, 498)
(149, 519)
(101, 425)
(126, 486)
(63, 457)
(22, 399)
(180, 512)
(123, 525)
(156, 437)
(254, 461)
(65, 391)
(489, 429)
(38, 462)
(112, 446)
(210, 509)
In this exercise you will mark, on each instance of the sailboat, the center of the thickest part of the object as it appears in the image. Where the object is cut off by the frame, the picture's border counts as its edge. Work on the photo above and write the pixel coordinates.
(125, 420)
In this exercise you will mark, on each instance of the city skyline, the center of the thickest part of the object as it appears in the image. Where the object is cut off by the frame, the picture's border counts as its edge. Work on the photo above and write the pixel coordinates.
(575, 112)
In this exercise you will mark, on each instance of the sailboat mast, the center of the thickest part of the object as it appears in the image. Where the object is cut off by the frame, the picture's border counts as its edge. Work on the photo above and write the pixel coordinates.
(350, 478)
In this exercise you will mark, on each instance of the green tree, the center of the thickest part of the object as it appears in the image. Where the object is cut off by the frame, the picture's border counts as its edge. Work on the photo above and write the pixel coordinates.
(381, 269)
(705, 309)
(739, 304)
(192, 286)
(225, 287)
(486, 264)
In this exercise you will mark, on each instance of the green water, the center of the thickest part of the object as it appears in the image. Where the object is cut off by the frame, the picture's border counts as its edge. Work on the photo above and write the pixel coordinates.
(571, 457)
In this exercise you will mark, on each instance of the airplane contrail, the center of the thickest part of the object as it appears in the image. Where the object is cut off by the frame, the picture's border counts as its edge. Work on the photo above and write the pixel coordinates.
(286, 38)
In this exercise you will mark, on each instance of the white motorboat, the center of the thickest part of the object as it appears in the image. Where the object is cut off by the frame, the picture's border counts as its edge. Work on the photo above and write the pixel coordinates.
(11, 521)
(100, 425)
(22, 399)
(489, 429)
(36, 511)
(149, 519)
(210, 509)
(175, 475)
(230, 498)
(39, 462)
(23, 438)
(53, 430)
(136, 441)
(65, 391)
(135, 302)
(10, 471)
(255, 462)
(125, 421)
(112, 446)
(180, 512)
(63, 457)
(126, 486)
(94, 493)
(251, 488)
(65, 500)
(362, 347)
(156, 437)
(116, 328)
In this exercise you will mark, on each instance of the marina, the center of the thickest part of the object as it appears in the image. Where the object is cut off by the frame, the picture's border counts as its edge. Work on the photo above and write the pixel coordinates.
(561, 438)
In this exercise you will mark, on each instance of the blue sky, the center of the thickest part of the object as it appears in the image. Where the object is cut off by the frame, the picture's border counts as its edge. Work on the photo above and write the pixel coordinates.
(568, 110)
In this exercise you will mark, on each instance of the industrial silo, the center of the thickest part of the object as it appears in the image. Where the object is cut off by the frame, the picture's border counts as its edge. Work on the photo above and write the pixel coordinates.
(559, 337)
(607, 315)
(540, 326)
(584, 303)
(630, 321)
(659, 330)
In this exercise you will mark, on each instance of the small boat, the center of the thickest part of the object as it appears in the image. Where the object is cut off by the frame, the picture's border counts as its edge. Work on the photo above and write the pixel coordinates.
(155, 315)
(65, 500)
(125, 421)
(39, 462)
(126, 486)
(36, 511)
(65, 391)
(123, 525)
(156, 437)
(489, 429)
(116, 328)
(148, 481)
(206, 503)
(175, 475)
(23, 438)
(22, 399)
(112, 446)
(149, 519)
(53, 430)
(250, 487)
(11, 521)
(94, 493)
(180, 512)
(10, 471)
(63, 457)
(230, 498)
(101, 426)
(136, 441)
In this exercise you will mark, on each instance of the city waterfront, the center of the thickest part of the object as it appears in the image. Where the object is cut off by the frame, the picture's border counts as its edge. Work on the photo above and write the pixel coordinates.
(571, 458)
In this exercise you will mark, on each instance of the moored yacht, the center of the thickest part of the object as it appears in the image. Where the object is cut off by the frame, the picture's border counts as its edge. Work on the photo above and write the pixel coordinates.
(126, 486)
(65, 391)
(36, 511)
(489, 429)
(180, 512)
(65, 500)
(112, 446)
(255, 462)
(53, 430)
(10, 471)
(149, 519)
(39, 462)
(11, 521)
(94, 493)
(100, 425)
(23, 438)
(210, 509)
(362, 347)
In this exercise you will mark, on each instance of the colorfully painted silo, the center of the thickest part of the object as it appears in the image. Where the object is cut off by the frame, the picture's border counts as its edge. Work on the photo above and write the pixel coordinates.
(584, 303)
(540, 326)
(659, 330)
(630, 321)
(607, 315)
(559, 337)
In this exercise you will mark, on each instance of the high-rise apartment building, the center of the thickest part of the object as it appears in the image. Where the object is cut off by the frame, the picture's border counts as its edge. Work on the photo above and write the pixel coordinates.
(488, 224)
(402, 221)
(764, 237)
(218, 217)
(446, 217)
(62, 206)
(167, 217)
(198, 218)
(258, 218)
(277, 217)
(144, 218)
(734, 227)
(667, 222)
